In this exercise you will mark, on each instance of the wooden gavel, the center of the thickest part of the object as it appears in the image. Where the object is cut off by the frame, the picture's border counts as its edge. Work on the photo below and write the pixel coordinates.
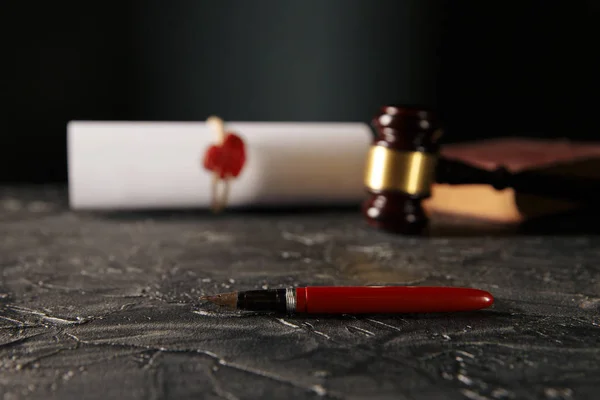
(404, 162)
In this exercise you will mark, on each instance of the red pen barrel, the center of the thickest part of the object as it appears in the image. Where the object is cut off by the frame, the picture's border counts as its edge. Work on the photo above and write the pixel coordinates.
(389, 300)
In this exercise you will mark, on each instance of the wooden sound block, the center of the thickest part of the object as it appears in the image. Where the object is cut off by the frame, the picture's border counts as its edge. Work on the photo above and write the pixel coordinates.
(560, 157)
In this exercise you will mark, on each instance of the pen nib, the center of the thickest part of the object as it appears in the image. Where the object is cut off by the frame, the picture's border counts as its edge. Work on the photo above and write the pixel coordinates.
(224, 299)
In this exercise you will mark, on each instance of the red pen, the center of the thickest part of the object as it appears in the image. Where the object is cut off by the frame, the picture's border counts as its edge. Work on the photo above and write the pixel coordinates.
(356, 299)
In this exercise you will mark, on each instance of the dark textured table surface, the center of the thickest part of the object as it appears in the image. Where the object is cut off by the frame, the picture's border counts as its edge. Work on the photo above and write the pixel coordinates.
(106, 306)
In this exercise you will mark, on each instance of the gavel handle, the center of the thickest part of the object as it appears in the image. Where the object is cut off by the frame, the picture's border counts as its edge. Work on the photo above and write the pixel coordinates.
(581, 190)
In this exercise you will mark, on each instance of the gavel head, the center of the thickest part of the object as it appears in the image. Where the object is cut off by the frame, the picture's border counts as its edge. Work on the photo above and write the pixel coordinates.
(401, 168)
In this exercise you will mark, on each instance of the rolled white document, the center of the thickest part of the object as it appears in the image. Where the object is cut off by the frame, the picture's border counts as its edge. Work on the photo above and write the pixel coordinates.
(159, 165)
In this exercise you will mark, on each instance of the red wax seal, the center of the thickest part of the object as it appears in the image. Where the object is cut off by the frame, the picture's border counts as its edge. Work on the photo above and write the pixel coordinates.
(228, 158)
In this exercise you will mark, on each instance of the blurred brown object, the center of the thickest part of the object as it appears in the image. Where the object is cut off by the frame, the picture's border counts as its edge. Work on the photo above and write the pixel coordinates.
(552, 157)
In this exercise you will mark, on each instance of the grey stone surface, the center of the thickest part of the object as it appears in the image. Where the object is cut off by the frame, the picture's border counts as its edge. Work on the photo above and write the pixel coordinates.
(100, 306)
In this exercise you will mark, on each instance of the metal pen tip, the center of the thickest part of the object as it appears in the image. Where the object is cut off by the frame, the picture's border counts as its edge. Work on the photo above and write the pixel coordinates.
(222, 299)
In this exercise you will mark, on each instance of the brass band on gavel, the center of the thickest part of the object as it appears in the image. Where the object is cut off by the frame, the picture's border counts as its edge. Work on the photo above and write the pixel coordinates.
(411, 172)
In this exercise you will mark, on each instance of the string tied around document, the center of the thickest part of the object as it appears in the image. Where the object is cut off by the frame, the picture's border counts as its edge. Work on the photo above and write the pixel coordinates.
(225, 160)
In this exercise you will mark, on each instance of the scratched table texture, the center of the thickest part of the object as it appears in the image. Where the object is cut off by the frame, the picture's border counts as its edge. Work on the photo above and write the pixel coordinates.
(106, 305)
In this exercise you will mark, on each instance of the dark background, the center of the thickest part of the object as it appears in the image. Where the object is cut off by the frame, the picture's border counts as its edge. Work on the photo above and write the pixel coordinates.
(489, 68)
